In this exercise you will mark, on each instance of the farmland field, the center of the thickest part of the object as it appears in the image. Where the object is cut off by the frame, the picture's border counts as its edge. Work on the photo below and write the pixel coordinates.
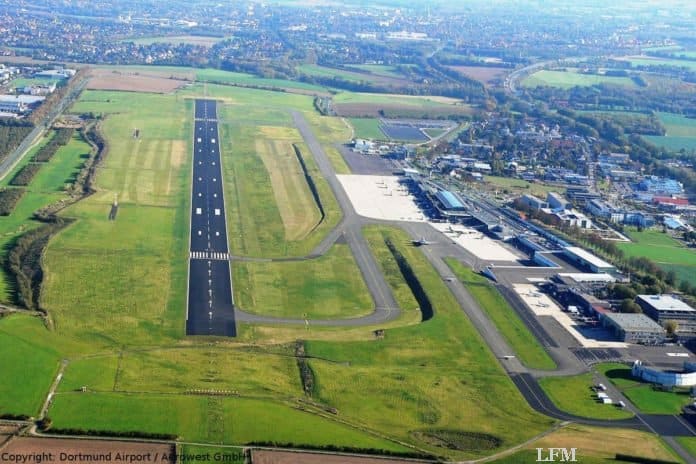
(680, 133)
(648, 61)
(568, 79)
(353, 104)
(484, 74)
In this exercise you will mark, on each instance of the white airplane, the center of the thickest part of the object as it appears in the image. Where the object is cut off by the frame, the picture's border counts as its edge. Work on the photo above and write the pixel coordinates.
(422, 241)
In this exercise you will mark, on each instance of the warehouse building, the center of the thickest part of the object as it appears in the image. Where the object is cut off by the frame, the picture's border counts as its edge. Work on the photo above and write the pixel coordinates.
(663, 308)
(634, 328)
(587, 260)
(668, 378)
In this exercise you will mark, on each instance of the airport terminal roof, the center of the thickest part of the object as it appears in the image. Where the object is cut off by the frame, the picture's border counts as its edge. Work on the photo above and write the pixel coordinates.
(589, 277)
(449, 200)
(588, 257)
(634, 322)
(665, 303)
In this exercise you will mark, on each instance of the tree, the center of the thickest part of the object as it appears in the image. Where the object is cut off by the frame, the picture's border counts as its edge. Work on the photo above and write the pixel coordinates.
(671, 327)
(630, 306)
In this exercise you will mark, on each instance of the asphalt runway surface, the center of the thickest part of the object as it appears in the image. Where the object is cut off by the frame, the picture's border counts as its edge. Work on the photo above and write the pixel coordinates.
(210, 308)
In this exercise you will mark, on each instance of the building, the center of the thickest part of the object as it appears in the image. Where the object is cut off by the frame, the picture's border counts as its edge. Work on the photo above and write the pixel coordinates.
(10, 106)
(556, 201)
(572, 218)
(669, 378)
(663, 308)
(586, 259)
(661, 186)
(449, 201)
(603, 210)
(533, 202)
(56, 73)
(634, 328)
(581, 195)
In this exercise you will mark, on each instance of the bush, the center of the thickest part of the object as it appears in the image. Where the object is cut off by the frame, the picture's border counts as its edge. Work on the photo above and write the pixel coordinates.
(26, 174)
(9, 197)
(46, 152)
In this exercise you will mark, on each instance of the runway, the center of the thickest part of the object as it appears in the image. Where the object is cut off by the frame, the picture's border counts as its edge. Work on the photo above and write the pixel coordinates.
(210, 309)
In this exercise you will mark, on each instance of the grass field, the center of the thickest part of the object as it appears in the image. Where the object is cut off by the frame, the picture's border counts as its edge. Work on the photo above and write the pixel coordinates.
(569, 79)
(27, 81)
(27, 369)
(213, 453)
(433, 374)
(638, 61)
(330, 287)
(46, 188)
(518, 336)
(591, 450)
(575, 395)
(380, 69)
(641, 394)
(367, 128)
(669, 253)
(522, 186)
(681, 133)
(689, 443)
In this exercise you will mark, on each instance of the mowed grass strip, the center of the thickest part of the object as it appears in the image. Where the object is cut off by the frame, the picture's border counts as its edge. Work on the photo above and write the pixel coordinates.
(575, 395)
(27, 369)
(526, 346)
(298, 210)
(206, 419)
(329, 287)
(434, 375)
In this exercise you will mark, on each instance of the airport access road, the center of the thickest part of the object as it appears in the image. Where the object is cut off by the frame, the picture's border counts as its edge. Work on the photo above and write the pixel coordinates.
(210, 309)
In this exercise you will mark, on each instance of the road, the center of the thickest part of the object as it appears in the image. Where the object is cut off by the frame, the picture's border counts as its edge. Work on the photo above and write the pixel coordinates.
(210, 308)
(18, 153)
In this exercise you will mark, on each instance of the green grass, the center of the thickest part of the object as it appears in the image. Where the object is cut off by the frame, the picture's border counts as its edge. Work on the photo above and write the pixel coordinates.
(212, 454)
(522, 186)
(380, 70)
(667, 252)
(27, 369)
(206, 419)
(568, 79)
(330, 287)
(144, 249)
(45, 189)
(367, 128)
(689, 443)
(437, 374)
(575, 396)
(652, 401)
(405, 100)
(526, 346)
(690, 65)
(680, 133)
(27, 81)
(350, 76)
(642, 394)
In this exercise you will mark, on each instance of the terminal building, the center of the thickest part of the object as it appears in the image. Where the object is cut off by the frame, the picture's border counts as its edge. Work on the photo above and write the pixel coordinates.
(585, 259)
(663, 308)
(634, 328)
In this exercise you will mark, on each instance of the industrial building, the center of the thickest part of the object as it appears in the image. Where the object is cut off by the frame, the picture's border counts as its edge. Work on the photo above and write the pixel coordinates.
(12, 106)
(661, 186)
(634, 328)
(533, 202)
(556, 201)
(662, 308)
(587, 260)
(669, 378)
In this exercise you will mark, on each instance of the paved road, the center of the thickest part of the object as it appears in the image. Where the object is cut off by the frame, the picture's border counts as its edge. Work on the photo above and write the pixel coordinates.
(210, 302)
(350, 230)
(18, 153)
